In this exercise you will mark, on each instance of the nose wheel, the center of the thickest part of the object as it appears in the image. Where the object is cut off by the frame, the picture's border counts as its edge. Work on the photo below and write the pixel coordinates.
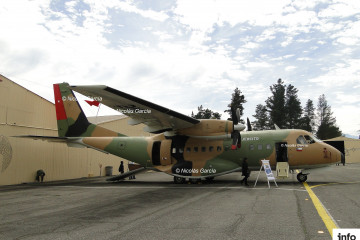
(301, 177)
(179, 180)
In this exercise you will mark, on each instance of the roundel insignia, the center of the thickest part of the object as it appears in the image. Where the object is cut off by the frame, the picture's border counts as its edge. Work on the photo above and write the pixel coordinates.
(5, 153)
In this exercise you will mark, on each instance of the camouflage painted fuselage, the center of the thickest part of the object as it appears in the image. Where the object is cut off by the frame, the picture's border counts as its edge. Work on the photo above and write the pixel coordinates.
(193, 157)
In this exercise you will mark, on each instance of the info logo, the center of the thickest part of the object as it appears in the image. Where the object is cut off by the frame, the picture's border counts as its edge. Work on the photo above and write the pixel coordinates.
(346, 234)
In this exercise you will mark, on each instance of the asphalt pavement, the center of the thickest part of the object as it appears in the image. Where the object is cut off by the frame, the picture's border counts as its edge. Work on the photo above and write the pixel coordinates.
(153, 207)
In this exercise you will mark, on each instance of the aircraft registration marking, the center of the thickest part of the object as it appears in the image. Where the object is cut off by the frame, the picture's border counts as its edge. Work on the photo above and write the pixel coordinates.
(250, 139)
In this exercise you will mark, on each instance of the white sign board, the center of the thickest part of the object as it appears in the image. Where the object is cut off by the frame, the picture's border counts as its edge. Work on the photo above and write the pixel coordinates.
(267, 169)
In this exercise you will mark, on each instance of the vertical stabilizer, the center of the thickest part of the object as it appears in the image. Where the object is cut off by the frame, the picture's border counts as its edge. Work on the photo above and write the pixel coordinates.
(71, 119)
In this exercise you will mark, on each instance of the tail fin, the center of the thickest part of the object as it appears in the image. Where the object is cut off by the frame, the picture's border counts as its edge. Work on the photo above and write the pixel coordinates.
(71, 119)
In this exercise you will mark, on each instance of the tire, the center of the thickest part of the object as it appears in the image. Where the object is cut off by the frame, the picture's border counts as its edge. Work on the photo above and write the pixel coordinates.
(194, 180)
(179, 180)
(301, 177)
(209, 179)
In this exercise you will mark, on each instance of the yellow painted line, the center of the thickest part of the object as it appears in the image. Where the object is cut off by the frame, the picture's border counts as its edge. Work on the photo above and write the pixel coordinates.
(327, 219)
(333, 184)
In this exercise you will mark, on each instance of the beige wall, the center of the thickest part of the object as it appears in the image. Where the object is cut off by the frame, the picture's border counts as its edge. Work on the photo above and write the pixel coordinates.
(352, 149)
(24, 113)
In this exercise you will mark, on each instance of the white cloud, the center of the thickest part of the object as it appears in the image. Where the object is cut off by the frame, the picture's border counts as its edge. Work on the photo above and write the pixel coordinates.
(250, 45)
(258, 65)
(288, 41)
(303, 59)
(203, 14)
(204, 46)
(290, 68)
(128, 7)
(343, 8)
(349, 34)
(299, 18)
(305, 4)
(347, 98)
(340, 75)
(348, 123)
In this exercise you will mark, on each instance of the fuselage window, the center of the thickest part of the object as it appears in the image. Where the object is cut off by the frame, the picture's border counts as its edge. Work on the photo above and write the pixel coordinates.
(301, 140)
(174, 150)
(268, 146)
(309, 139)
(203, 149)
(211, 148)
(218, 148)
(188, 149)
(251, 146)
(196, 149)
(260, 147)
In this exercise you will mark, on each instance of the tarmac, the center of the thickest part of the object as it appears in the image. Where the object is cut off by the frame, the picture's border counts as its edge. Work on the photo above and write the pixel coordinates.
(153, 207)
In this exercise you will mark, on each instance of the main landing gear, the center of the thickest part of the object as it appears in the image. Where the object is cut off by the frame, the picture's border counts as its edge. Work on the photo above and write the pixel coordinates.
(301, 177)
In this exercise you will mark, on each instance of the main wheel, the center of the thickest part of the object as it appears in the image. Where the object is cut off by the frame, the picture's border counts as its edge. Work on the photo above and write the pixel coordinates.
(209, 179)
(194, 180)
(301, 177)
(179, 180)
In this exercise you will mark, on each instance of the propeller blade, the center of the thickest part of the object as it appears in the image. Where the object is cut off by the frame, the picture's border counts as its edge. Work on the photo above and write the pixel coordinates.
(236, 144)
(235, 140)
(249, 127)
(233, 116)
(238, 114)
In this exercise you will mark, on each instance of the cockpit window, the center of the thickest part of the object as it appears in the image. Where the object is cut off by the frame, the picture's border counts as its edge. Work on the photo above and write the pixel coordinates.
(316, 139)
(301, 140)
(309, 139)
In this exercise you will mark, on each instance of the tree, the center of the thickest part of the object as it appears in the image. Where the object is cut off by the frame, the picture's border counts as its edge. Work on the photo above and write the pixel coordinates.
(327, 123)
(276, 104)
(262, 118)
(293, 110)
(237, 101)
(308, 121)
(205, 114)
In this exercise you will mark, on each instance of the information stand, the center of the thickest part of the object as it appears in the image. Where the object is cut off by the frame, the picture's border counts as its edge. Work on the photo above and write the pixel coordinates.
(269, 175)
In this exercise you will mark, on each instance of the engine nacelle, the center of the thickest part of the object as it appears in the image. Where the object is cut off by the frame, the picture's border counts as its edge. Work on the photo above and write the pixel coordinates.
(209, 128)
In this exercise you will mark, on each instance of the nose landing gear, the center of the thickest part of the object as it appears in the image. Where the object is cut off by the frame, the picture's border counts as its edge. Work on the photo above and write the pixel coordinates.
(179, 180)
(301, 177)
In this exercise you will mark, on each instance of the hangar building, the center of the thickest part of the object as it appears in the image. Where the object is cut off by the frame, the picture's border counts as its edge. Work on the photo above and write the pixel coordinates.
(22, 112)
(351, 148)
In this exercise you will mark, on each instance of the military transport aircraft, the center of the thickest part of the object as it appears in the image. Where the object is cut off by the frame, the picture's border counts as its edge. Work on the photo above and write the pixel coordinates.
(183, 147)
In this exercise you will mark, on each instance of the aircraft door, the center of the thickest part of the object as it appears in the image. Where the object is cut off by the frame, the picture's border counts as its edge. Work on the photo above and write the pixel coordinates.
(155, 154)
(165, 152)
(281, 152)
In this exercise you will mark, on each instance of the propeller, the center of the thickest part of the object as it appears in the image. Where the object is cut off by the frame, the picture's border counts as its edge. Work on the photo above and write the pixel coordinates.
(235, 135)
(249, 127)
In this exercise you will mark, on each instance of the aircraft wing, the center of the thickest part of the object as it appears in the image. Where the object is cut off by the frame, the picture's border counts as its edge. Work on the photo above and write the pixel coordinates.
(156, 118)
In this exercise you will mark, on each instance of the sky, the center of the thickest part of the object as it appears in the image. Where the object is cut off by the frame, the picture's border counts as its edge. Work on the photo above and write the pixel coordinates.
(181, 54)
